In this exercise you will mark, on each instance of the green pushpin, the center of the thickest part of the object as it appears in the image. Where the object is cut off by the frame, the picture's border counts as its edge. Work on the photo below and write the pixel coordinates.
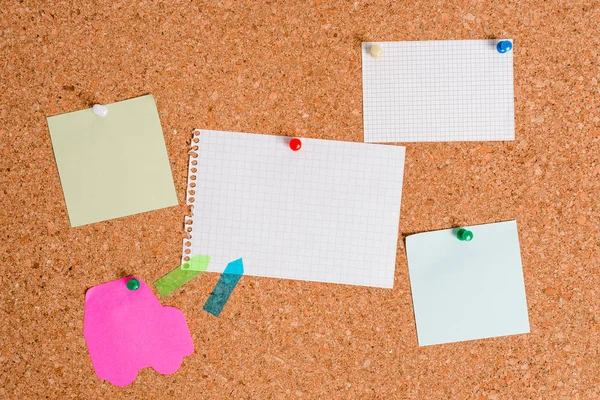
(133, 284)
(464, 235)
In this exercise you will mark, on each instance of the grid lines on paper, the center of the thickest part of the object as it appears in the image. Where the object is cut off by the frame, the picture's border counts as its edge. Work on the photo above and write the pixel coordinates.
(435, 91)
(327, 213)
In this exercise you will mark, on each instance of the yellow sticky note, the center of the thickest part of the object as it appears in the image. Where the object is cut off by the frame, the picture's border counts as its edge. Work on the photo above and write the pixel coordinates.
(112, 166)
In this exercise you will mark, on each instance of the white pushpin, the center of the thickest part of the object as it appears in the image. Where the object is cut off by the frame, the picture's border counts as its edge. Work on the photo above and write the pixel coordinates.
(100, 110)
(376, 51)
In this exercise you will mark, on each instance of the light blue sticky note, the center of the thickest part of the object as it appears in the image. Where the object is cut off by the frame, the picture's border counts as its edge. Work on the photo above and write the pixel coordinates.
(467, 290)
(227, 282)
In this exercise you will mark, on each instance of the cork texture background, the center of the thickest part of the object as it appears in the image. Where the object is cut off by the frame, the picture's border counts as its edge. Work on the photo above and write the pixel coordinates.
(294, 68)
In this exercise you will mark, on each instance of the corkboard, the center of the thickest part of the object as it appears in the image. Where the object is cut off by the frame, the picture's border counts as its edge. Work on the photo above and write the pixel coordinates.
(293, 68)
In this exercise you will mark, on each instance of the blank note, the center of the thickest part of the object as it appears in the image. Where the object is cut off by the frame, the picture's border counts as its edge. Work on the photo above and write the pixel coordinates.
(112, 166)
(328, 212)
(467, 290)
(438, 91)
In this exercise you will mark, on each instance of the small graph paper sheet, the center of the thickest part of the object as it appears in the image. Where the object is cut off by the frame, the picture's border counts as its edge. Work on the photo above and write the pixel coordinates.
(438, 91)
(327, 213)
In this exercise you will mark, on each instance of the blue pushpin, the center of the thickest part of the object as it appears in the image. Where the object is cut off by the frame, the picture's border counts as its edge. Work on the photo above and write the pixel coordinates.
(503, 46)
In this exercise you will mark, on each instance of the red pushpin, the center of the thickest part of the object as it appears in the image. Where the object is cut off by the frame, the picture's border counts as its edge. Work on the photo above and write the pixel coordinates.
(295, 144)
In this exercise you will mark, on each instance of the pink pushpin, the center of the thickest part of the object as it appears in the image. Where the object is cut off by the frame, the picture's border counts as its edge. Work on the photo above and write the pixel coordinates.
(295, 144)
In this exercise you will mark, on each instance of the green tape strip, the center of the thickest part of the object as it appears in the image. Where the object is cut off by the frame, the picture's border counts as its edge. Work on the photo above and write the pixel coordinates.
(196, 263)
(181, 275)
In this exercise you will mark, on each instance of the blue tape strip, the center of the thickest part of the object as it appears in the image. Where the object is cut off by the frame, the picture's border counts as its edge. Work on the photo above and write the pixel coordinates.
(227, 282)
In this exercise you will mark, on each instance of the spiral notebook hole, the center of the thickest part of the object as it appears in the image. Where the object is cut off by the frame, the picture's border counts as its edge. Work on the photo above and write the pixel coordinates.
(191, 192)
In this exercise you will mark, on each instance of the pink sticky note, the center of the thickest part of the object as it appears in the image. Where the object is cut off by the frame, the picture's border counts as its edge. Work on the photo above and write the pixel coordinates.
(127, 330)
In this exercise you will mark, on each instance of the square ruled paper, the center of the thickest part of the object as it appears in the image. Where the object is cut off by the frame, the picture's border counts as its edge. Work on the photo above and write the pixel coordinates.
(327, 213)
(438, 91)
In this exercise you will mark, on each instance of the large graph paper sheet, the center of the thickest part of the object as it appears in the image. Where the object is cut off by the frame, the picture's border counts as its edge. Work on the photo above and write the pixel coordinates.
(327, 213)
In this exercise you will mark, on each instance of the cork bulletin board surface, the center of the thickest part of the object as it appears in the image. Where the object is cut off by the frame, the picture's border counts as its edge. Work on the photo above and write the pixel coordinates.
(293, 68)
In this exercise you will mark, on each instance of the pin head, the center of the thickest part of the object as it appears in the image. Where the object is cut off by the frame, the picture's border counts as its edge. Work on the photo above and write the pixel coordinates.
(133, 284)
(100, 110)
(295, 144)
(503, 46)
(464, 235)
(376, 51)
